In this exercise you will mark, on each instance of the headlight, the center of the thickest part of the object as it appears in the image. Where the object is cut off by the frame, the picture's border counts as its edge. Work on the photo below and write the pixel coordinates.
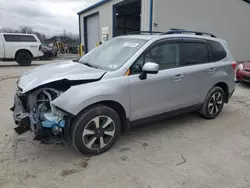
(241, 67)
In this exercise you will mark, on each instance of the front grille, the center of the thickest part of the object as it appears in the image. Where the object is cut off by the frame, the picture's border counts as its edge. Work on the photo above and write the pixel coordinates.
(247, 78)
(247, 70)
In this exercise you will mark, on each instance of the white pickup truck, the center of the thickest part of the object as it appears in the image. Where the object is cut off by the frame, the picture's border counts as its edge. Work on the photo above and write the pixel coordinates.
(22, 48)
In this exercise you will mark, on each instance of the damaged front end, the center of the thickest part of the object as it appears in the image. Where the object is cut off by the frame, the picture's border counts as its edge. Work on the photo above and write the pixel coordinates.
(34, 111)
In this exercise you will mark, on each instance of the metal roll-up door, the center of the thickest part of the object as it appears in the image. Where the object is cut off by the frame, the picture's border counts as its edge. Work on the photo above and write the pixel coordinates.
(93, 31)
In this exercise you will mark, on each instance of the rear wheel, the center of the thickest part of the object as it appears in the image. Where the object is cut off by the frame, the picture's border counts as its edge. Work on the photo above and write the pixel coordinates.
(214, 103)
(24, 58)
(95, 130)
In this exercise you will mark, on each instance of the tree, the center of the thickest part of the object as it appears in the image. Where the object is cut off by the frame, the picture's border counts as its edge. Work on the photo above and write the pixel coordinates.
(26, 29)
(8, 30)
(41, 36)
(65, 36)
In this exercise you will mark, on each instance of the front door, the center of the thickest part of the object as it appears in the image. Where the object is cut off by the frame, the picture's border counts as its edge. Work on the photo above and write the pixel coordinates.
(161, 92)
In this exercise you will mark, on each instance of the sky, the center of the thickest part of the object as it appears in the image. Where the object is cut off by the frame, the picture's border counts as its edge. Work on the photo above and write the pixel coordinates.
(47, 16)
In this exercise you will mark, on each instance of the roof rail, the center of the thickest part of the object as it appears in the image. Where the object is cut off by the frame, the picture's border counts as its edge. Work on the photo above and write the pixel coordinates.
(180, 31)
(145, 32)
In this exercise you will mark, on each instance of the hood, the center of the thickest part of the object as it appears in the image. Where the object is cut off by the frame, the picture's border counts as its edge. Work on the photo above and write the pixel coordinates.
(58, 71)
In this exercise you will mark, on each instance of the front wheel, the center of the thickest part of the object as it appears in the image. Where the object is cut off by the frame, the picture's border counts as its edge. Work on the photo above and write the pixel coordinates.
(214, 103)
(95, 130)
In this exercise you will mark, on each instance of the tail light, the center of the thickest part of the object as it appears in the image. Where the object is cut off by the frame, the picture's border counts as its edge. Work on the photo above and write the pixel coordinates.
(234, 65)
(40, 47)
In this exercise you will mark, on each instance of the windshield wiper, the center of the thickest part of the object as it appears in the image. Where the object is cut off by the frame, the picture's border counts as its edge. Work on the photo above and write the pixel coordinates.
(90, 65)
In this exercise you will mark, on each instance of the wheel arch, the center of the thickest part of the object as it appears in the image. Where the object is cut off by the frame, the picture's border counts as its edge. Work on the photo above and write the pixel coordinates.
(23, 51)
(117, 107)
(225, 87)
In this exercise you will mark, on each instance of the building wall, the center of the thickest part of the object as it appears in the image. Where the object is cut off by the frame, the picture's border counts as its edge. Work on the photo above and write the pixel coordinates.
(145, 15)
(227, 19)
(106, 17)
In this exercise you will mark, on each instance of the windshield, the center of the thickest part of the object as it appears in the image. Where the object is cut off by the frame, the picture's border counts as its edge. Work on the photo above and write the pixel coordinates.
(113, 54)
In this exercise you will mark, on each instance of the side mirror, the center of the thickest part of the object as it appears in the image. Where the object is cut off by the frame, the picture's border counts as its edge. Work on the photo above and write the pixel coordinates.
(149, 68)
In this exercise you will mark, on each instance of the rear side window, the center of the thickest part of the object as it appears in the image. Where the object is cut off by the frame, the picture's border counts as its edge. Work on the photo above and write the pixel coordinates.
(19, 38)
(193, 53)
(217, 51)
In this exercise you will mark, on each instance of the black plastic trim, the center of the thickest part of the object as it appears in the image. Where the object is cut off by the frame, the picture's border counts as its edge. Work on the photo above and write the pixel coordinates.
(183, 31)
(166, 115)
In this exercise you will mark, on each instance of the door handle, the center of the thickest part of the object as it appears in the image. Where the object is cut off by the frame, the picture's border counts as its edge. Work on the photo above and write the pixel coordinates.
(178, 77)
(212, 70)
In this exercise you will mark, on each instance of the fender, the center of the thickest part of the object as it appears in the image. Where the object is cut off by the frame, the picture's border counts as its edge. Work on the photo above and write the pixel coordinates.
(79, 97)
(24, 49)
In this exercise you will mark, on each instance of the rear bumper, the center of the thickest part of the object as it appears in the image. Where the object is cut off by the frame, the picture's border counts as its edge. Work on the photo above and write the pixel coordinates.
(243, 76)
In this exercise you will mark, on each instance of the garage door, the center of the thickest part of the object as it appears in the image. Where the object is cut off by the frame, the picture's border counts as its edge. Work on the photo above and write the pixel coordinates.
(93, 31)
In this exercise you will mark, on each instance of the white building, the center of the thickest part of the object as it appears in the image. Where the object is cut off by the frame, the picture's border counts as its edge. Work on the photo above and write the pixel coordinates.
(227, 19)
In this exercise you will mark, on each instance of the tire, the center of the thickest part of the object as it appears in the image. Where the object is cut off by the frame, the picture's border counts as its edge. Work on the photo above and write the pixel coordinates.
(212, 108)
(24, 58)
(87, 138)
(45, 57)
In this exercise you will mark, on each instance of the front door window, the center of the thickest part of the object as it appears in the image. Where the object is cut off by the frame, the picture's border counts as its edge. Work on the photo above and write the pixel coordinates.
(167, 55)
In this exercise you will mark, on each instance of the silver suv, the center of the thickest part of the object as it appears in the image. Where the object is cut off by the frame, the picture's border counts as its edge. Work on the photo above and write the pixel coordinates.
(125, 80)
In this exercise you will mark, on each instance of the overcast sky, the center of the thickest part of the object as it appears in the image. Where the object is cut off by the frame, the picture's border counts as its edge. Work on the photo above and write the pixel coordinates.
(47, 16)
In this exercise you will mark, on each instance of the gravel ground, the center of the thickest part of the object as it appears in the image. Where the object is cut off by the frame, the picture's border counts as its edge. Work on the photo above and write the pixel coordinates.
(182, 152)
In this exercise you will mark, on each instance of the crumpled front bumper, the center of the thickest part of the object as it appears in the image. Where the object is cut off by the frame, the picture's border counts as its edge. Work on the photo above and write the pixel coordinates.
(25, 122)
(21, 118)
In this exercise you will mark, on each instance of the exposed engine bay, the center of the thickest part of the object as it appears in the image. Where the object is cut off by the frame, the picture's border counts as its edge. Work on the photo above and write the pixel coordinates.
(33, 111)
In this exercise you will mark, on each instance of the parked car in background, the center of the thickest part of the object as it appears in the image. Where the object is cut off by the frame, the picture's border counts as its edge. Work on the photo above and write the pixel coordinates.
(243, 72)
(123, 81)
(22, 48)
(47, 53)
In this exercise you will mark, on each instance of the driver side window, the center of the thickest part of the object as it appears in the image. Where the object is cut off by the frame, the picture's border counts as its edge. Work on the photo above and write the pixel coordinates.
(167, 55)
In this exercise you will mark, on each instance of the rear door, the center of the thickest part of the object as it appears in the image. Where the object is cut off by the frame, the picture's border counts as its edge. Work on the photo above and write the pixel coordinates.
(1, 47)
(195, 58)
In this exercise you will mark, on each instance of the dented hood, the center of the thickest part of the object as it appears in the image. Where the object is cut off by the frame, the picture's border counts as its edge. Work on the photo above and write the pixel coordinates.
(58, 71)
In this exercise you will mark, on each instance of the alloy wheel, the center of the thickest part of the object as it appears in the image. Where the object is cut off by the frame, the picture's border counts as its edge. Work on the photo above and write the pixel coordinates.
(98, 133)
(215, 103)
